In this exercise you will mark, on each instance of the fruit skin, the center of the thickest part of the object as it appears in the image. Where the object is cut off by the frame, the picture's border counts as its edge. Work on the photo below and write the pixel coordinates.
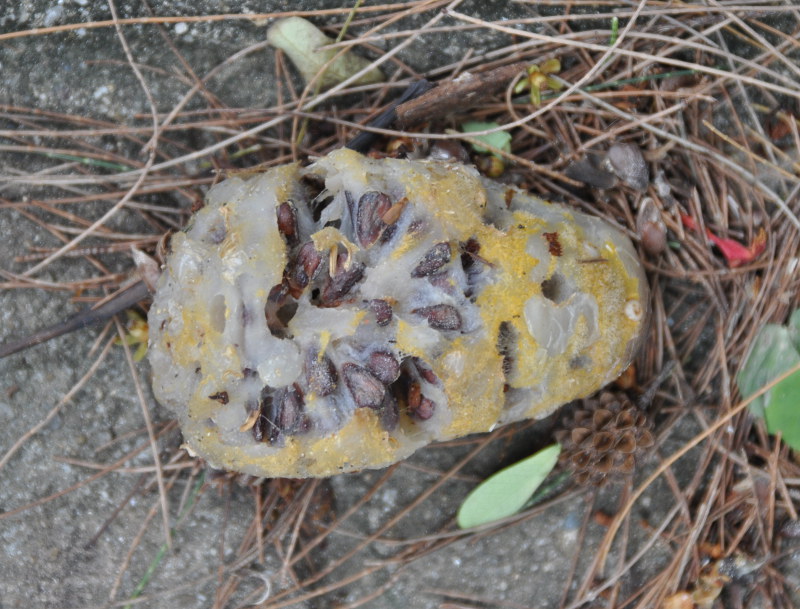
(496, 305)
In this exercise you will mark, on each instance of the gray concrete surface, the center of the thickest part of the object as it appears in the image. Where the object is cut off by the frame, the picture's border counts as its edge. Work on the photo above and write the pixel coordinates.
(44, 558)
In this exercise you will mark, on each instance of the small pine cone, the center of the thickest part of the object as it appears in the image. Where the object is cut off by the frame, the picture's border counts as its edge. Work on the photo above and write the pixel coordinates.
(603, 438)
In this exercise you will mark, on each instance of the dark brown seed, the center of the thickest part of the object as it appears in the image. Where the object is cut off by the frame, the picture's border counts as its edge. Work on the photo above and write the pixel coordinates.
(425, 409)
(384, 366)
(388, 233)
(369, 216)
(303, 269)
(382, 310)
(470, 251)
(440, 317)
(343, 280)
(389, 413)
(287, 221)
(414, 396)
(281, 414)
(367, 390)
(268, 408)
(419, 406)
(261, 428)
(304, 425)
(290, 401)
(308, 258)
(416, 226)
(276, 299)
(220, 396)
(433, 260)
(257, 428)
(320, 374)
(425, 371)
(443, 282)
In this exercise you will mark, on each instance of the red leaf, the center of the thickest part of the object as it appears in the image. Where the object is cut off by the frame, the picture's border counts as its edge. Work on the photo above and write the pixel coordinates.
(735, 253)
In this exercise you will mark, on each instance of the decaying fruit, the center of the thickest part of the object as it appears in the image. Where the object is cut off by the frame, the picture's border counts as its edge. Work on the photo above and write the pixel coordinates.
(318, 320)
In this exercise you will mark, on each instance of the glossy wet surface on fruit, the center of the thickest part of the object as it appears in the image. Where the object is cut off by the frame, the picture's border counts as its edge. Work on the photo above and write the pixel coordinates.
(317, 320)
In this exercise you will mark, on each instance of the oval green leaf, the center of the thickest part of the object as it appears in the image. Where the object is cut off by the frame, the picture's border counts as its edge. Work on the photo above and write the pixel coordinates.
(507, 491)
(773, 352)
(498, 139)
(783, 410)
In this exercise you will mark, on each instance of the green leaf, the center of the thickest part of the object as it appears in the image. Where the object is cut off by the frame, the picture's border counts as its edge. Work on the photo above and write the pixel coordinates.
(794, 328)
(614, 31)
(773, 353)
(783, 410)
(301, 41)
(507, 491)
(536, 94)
(551, 66)
(498, 139)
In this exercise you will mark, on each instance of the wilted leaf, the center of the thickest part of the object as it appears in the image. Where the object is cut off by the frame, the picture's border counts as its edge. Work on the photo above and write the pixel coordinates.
(507, 491)
(301, 40)
(498, 139)
(735, 253)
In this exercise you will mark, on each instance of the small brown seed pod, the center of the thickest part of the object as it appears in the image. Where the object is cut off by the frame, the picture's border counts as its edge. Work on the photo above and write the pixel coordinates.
(604, 438)
(651, 228)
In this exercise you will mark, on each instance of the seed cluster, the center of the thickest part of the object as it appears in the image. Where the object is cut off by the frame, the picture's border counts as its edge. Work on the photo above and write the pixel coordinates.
(379, 378)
